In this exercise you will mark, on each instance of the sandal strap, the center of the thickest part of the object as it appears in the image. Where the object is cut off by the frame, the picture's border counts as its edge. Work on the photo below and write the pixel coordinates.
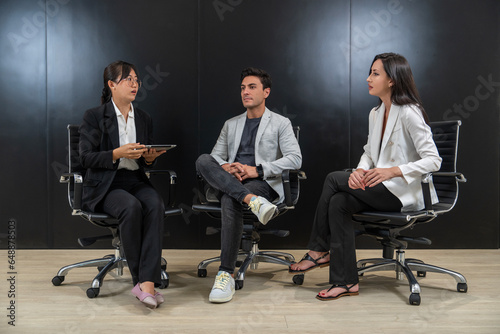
(307, 257)
(348, 288)
(343, 286)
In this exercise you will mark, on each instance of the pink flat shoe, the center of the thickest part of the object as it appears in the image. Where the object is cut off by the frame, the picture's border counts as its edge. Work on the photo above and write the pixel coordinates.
(159, 298)
(146, 298)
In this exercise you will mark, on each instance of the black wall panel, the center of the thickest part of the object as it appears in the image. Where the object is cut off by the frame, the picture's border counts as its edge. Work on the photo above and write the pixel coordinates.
(297, 45)
(161, 39)
(453, 49)
(190, 54)
(23, 126)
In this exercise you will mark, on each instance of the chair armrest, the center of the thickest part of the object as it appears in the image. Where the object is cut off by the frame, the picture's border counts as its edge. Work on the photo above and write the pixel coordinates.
(427, 180)
(289, 176)
(172, 175)
(459, 176)
(426, 190)
(71, 177)
(172, 180)
(75, 189)
(200, 182)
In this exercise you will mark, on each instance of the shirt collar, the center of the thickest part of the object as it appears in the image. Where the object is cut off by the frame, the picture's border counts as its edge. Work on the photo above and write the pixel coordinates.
(118, 112)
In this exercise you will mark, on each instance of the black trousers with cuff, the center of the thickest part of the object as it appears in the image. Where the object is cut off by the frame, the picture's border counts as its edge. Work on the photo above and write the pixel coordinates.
(333, 229)
(140, 211)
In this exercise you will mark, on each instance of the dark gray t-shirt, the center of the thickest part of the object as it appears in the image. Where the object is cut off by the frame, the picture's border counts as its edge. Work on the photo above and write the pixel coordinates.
(246, 151)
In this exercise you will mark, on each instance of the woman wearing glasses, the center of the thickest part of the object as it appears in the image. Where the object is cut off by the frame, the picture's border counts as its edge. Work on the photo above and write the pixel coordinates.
(112, 149)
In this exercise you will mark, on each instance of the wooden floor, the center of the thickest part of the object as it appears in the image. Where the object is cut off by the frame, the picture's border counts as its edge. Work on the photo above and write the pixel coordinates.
(268, 303)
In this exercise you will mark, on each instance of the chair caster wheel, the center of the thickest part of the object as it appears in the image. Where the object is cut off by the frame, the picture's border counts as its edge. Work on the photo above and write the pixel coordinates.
(462, 287)
(163, 267)
(415, 299)
(421, 273)
(92, 292)
(298, 279)
(57, 280)
(202, 273)
(164, 283)
(238, 285)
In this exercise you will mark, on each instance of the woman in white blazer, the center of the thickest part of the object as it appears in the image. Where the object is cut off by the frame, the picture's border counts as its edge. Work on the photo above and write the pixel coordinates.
(398, 151)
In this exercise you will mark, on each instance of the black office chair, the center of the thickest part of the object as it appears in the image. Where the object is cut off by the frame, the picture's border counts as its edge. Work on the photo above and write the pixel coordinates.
(117, 261)
(387, 226)
(250, 254)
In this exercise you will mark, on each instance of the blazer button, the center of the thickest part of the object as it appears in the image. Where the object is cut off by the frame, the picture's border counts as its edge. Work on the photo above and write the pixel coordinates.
(392, 160)
(390, 143)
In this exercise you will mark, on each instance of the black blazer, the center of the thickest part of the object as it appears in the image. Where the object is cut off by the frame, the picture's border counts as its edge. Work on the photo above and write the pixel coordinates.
(99, 136)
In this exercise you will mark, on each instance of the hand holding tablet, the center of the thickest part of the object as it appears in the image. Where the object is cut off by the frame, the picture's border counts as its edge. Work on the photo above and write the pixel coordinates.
(154, 151)
(161, 147)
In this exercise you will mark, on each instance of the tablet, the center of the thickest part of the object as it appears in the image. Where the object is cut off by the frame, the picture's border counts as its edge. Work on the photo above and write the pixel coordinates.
(161, 147)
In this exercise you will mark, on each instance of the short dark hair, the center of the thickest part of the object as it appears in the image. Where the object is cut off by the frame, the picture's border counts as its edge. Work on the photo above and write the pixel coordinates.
(264, 77)
(116, 71)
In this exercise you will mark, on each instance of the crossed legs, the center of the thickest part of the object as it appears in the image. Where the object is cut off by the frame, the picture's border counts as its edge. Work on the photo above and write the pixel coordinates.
(234, 195)
(333, 231)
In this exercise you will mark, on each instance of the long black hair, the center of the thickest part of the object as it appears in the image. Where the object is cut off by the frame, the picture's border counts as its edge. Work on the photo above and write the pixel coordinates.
(403, 91)
(116, 71)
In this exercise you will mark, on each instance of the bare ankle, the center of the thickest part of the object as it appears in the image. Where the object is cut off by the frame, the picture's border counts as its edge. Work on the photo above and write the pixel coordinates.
(316, 253)
(248, 198)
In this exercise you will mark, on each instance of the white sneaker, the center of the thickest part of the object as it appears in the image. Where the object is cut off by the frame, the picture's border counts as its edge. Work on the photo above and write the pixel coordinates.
(263, 209)
(223, 289)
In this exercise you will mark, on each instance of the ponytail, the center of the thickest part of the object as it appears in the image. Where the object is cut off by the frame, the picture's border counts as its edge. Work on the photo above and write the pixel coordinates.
(106, 94)
(115, 72)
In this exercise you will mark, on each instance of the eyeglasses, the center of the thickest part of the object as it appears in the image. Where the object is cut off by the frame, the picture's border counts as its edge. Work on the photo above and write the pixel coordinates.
(131, 82)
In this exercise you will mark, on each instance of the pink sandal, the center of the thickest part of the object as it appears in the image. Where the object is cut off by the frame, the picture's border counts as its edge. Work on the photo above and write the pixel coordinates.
(159, 298)
(146, 298)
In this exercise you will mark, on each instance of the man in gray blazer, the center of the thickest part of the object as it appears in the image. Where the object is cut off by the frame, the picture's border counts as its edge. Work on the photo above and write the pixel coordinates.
(245, 166)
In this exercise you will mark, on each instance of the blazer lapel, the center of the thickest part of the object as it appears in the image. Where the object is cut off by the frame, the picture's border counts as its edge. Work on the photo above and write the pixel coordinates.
(266, 117)
(377, 134)
(111, 124)
(238, 132)
(389, 127)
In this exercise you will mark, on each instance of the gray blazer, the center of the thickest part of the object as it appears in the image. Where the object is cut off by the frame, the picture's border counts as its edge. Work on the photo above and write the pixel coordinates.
(276, 147)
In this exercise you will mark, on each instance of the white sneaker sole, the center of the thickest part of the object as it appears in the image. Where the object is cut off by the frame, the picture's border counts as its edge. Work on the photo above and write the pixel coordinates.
(267, 216)
(220, 299)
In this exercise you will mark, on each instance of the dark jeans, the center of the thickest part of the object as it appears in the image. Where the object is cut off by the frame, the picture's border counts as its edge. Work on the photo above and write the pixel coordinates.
(140, 211)
(233, 193)
(333, 229)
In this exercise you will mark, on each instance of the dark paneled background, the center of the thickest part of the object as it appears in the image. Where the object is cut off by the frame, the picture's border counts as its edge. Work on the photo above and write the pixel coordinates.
(190, 54)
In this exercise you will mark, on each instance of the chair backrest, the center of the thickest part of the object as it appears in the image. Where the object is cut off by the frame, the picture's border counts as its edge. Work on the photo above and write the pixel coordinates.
(445, 136)
(295, 177)
(74, 165)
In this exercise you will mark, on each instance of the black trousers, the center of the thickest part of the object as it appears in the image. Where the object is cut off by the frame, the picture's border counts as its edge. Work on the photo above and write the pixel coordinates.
(333, 229)
(232, 194)
(140, 211)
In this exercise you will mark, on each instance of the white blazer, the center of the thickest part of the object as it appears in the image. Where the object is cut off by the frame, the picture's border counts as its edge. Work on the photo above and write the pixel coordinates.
(408, 144)
(276, 147)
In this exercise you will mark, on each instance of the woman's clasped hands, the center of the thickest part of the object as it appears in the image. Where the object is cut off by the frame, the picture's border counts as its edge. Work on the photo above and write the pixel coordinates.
(361, 179)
